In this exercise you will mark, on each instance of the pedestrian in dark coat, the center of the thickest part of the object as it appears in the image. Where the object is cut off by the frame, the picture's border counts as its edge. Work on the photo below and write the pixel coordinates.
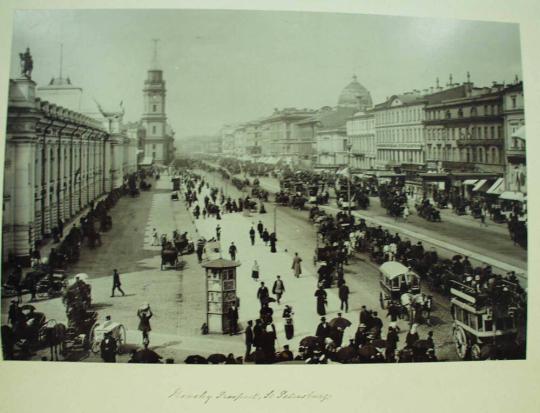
(252, 235)
(262, 294)
(249, 338)
(116, 283)
(365, 317)
(265, 236)
(257, 332)
(108, 348)
(412, 337)
(392, 339)
(323, 330)
(296, 266)
(321, 301)
(273, 241)
(232, 315)
(232, 251)
(344, 297)
(260, 228)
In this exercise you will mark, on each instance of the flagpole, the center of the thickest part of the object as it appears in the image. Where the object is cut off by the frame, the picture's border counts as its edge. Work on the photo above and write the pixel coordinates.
(349, 146)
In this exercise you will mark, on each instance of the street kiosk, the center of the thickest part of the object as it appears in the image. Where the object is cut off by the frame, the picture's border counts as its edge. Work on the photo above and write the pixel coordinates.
(220, 293)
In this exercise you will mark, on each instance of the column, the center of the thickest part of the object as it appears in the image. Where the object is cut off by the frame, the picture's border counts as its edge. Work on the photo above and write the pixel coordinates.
(23, 197)
(38, 234)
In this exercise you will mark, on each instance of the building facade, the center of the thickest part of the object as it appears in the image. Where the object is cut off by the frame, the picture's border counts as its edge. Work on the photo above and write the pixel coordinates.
(361, 137)
(466, 133)
(515, 180)
(57, 162)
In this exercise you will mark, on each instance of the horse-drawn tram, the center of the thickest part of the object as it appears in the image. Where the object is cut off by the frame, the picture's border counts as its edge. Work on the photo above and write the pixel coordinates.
(399, 285)
(484, 321)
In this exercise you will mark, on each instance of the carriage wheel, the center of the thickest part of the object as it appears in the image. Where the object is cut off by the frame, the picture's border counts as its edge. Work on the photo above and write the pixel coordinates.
(94, 344)
(460, 340)
(121, 338)
(381, 300)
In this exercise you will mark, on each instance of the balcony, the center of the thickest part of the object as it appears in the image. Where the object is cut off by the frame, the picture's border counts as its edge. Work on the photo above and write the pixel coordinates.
(482, 142)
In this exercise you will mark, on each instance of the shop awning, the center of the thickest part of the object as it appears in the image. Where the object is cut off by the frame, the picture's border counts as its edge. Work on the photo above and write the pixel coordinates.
(513, 196)
(470, 181)
(482, 185)
(497, 188)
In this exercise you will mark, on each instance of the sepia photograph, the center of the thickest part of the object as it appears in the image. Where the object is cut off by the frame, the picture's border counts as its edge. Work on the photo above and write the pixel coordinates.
(263, 187)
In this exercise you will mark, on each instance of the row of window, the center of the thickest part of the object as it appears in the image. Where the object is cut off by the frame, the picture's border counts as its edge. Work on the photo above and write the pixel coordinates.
(410, 114)
(401, 156)
(473, 111)
(399, 135)
(479, 154)
(474, 132)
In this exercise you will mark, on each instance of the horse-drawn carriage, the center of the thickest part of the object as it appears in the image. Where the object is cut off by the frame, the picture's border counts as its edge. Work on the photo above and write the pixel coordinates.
(428, 212)
(400, 287)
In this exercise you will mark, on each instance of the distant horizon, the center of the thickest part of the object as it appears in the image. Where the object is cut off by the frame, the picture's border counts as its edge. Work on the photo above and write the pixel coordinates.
(228, 67)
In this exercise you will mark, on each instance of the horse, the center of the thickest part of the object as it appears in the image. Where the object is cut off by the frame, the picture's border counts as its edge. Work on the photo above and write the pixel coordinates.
(54, 335)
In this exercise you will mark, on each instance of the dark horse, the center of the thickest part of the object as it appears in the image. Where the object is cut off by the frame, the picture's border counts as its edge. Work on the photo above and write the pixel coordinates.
(54, 335)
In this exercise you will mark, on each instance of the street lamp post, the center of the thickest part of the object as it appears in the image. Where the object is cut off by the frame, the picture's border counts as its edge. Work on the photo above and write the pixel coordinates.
(349, 147)
(275, 219)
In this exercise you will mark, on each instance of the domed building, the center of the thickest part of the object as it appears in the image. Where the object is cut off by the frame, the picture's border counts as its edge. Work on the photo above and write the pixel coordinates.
(355, 96)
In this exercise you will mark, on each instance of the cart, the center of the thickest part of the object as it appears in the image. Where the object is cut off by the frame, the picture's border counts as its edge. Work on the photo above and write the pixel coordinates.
(98, 331)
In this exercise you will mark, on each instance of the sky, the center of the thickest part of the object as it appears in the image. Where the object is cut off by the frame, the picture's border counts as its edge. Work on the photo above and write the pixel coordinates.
(234, 66)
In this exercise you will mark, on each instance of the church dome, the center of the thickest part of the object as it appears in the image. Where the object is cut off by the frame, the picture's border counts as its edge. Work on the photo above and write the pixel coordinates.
(355, 96)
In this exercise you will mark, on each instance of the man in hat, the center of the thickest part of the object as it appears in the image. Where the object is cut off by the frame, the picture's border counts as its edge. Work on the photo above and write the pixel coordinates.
(323, 329)
(344, 296)
(145, 314)
(232, 315)
(252, 235)
(232, 251)
(391, 345)
(249, 338)
(116, 283)
(278, 288)
(260, 228)
(14, 313)
(218, 232)
(262, 294)
(365, 317)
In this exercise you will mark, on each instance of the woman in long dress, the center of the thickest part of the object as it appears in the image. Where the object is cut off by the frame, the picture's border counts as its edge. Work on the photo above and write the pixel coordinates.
(255, 271)
(296, 265)
(321, 301)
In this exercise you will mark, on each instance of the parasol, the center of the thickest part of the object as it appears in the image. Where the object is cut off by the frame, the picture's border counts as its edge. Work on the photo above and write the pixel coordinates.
(310, 342)
(339, 322)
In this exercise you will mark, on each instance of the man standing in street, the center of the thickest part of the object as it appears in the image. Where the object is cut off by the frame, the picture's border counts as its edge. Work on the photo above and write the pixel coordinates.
(323, 330)
(260, 228)
(218, 232)
(344, 297)
(249, 338)
(278, 288)
(262, 294)
(232, 315)
(365, 317)
(116, 283)
(252, 235)
(232, 251)
(391, 345)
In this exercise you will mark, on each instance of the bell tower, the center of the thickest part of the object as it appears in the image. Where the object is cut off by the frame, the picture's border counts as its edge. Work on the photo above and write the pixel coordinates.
(154, 118)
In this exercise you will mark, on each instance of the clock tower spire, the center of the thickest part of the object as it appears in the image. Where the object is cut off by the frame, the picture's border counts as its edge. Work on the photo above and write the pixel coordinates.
(154, 118)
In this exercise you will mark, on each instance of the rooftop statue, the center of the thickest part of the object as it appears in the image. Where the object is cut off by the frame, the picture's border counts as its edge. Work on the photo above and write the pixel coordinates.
(27, 64)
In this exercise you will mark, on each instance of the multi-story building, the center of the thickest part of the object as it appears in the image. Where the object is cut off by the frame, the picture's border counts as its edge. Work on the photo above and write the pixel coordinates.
(329, 125)
(361, 138)
(399, 130)
(57, 161)
(159, 137)
(278, 135)
(227, 140)
(515, 179)
(465, 133)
